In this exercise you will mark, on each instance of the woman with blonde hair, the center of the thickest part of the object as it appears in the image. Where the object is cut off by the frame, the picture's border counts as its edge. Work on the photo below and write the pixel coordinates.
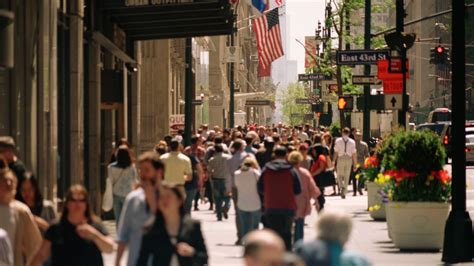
(249, 205)
(309, 191)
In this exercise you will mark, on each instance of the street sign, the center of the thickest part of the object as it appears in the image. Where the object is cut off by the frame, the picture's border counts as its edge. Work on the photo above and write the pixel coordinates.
(197, 102)
(361, 57)
(365, 80)
(308, 117)
(393, 86)
(314, 76)
(258, 102)
(393, 102)
(305, 101)
(176, 122)
(232, 54)
(383, 71)
(395, 65)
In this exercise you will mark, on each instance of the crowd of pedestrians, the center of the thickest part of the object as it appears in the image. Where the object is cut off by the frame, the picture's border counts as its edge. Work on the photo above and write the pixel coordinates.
(273, 177)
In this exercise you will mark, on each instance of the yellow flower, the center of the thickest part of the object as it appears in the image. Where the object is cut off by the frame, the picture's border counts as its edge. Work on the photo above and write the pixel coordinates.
(376, 207)
(357, 177)
(390, 195)
(371, 209)
(387, 178)
(380, 176)
(358, 165)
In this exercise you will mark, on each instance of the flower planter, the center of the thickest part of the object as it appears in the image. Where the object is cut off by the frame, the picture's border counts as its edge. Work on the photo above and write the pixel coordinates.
(375, 199)
(417, 225)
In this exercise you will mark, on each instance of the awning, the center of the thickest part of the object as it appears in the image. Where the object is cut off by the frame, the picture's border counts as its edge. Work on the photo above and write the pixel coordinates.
(172, 19)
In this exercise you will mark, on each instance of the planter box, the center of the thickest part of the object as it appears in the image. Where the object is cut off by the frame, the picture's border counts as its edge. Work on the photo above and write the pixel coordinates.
(374, 198)
(417, 225)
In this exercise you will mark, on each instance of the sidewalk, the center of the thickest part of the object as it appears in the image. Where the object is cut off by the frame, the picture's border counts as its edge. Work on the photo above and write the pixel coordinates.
(368, 237)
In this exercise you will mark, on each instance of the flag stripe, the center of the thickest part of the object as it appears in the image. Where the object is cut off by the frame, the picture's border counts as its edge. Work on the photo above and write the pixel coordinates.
(268, 36)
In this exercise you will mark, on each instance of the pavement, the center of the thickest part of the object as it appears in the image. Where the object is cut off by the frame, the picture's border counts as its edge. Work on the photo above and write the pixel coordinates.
(368, 237)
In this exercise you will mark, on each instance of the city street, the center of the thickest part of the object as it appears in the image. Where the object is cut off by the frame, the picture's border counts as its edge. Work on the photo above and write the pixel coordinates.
(368, 237)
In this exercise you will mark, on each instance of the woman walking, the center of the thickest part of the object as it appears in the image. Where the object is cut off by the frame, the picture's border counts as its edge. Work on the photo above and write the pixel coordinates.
(309, 191)
(249, 204)
(174, 239)
(123, 175)
(30, 194)
(318, 168)
(78, 238)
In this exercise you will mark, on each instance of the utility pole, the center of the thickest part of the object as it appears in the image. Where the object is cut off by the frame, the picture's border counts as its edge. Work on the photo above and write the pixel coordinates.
(188, 92)
(231, 86)
(400, 16)
(366, 120)
(458, 230)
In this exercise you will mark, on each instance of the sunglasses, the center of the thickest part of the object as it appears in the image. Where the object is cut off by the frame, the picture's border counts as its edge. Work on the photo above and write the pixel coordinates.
(77, 200)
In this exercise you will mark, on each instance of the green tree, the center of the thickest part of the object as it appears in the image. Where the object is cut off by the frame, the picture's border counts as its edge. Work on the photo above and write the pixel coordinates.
(288, 98)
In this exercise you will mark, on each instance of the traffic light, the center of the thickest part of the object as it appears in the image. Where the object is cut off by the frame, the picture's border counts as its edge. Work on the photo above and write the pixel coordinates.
(439, 55)
(345, 103)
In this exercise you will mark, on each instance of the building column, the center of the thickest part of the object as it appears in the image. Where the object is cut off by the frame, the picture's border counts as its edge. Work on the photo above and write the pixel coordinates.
(94, 128)
(154, 98)
(135, 100)
(76, 77)
(216, 83)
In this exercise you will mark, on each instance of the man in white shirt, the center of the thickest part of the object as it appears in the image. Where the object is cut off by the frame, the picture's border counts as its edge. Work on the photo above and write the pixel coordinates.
(345, 156)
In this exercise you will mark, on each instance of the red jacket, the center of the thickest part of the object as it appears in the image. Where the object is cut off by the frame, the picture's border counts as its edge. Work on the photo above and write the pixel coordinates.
(279, 184)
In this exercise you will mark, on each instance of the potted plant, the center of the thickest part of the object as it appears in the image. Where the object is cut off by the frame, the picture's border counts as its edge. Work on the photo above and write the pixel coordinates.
(418, 189)
(374, 180)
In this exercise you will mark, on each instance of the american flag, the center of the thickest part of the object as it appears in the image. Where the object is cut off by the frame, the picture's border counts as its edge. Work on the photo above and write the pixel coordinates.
(267, 33)
(279, 2)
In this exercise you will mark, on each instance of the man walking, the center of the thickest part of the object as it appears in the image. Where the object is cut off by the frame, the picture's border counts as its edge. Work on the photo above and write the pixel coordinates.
(345, 157)
(362, 153)
(218, 174)
(139, 206)
(233, 164)
(178, 167)
(7, 150)
(279, 185)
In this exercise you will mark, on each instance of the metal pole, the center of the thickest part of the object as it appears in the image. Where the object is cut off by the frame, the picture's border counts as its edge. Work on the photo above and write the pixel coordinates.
(231, 85)
(400, 16)
(188, 92)
(458, 232)
(366, 120)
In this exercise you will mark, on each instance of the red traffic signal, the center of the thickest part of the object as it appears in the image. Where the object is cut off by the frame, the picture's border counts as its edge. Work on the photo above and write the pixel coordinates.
(440, 49)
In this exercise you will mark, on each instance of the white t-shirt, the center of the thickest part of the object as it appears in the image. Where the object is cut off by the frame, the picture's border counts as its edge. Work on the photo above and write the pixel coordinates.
(8, 221)
(246, 183)
(343, 147)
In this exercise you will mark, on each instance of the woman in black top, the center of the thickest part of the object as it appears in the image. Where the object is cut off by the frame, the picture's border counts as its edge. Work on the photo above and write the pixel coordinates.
(174, 239)
(77, 239)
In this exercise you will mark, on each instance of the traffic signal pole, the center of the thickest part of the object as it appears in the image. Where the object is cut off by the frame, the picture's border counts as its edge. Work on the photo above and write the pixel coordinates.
(400, 16)
(458, 231)
(366, 120)
(232, 90)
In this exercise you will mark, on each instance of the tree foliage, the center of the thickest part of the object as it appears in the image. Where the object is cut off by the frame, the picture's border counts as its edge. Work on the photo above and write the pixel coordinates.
(288, 98)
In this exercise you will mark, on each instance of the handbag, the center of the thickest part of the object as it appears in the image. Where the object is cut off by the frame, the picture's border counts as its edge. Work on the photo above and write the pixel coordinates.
(326, 179)
(108, 199)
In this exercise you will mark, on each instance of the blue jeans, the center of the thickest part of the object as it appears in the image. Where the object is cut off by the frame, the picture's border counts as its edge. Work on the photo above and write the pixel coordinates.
(219, 195)
(118, 205)
(249, 220)
(299, 229)
(188, 203)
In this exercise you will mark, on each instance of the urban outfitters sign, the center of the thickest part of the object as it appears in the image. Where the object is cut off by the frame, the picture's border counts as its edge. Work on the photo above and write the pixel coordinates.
(361, 57)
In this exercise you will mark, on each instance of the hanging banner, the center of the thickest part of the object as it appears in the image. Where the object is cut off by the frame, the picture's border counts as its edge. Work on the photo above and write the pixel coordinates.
(310, 52)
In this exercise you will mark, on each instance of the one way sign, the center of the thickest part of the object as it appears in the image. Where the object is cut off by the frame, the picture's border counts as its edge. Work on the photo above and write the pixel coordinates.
(393, 102)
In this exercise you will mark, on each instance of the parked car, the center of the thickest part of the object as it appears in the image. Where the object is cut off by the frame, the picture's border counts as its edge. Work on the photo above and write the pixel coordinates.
(470, 148)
